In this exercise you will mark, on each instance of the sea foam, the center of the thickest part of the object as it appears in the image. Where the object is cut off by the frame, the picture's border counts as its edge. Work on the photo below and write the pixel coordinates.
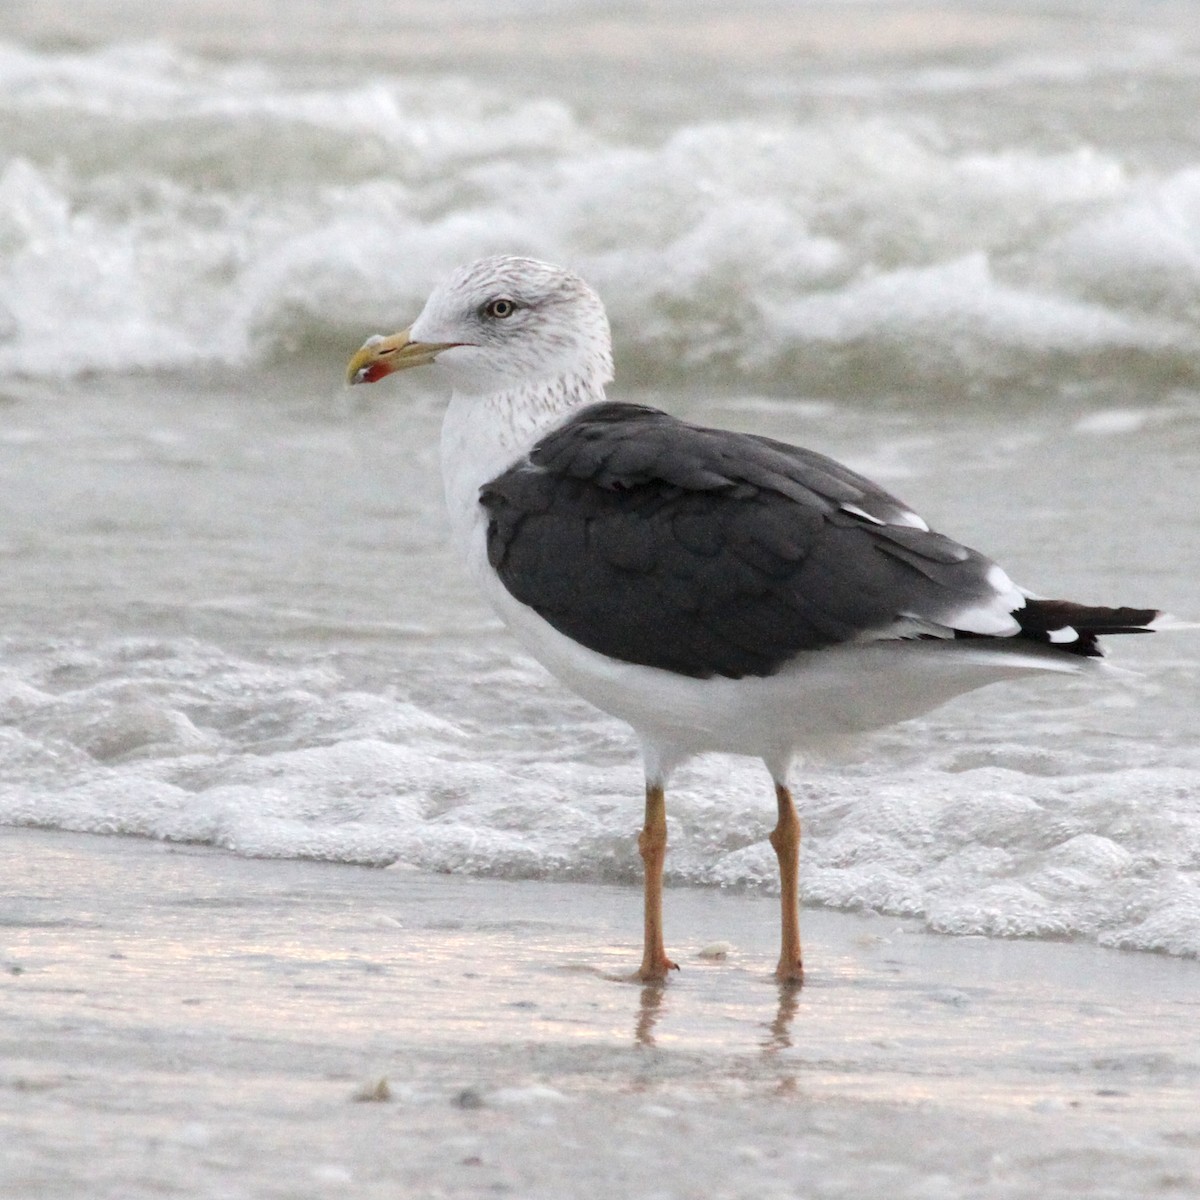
(159, 211)
(185, 742)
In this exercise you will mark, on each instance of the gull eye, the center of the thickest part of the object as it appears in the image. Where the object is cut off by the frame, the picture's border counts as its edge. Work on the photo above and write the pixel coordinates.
(500, 308)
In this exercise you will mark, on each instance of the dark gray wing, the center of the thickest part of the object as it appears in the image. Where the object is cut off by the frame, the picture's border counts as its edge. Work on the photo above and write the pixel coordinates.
(707, 552)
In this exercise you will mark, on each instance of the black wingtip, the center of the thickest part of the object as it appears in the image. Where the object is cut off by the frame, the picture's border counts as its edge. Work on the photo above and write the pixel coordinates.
(1077, 628)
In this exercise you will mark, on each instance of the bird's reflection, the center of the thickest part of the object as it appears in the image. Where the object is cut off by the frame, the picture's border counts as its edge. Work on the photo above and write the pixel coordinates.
(652, 1006)
(650, 1010)
(779, 1031)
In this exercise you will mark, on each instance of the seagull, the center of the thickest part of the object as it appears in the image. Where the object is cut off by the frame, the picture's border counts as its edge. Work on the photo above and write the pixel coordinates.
(717, 591)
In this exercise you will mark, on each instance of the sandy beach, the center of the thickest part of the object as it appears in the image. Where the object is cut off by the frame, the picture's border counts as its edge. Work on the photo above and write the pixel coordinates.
(178, 1021)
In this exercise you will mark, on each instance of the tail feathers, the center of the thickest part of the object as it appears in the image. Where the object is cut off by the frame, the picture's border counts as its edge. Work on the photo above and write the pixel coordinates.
(1076, 628)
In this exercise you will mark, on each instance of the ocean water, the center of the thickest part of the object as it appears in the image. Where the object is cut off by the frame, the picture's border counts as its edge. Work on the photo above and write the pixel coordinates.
(958, 249)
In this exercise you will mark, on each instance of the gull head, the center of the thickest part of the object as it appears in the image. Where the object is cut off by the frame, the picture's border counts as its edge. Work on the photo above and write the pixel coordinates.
(499, 324)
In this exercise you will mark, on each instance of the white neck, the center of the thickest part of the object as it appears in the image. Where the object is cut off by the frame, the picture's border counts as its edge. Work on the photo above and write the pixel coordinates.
(484, 435)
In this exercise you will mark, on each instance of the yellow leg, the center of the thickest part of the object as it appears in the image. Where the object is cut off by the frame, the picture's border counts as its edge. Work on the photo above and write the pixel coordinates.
(785, 838)
(652, 844)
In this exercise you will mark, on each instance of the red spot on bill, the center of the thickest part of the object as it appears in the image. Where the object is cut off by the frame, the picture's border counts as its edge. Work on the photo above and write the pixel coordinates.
(373, 373)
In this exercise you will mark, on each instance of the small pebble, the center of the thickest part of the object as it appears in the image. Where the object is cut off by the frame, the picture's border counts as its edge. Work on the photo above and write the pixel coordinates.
(374, 1092)
(468, 1098)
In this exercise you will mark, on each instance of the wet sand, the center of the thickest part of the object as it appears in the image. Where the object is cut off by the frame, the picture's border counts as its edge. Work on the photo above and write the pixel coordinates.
(177, 1021)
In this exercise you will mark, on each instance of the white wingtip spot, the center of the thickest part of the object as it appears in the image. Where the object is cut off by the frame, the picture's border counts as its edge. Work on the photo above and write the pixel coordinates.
(1065, 634)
